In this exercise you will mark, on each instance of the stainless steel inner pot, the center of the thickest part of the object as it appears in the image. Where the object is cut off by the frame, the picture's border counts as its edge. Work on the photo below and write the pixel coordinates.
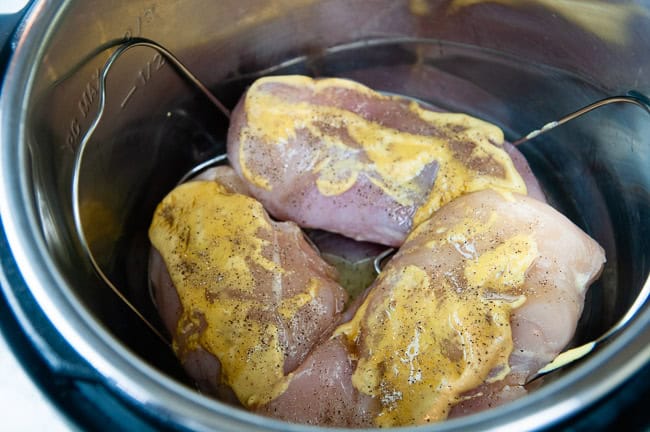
(518, 64)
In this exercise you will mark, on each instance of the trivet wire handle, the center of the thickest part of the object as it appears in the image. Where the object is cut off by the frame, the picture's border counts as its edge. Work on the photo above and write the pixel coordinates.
(76, 211)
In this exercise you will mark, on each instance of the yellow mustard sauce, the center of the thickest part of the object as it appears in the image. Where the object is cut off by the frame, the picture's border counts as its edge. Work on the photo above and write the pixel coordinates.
(568, 357)
(428, 337)
(391, 159)
(214, 244)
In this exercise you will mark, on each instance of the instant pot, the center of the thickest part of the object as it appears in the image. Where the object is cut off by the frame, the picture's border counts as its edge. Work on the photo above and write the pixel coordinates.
(518, 64)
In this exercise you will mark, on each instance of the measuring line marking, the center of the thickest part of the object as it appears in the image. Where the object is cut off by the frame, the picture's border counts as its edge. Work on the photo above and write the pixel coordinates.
(128, 96)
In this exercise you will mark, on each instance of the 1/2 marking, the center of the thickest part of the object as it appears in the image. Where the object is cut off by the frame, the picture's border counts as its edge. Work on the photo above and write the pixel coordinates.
(90, 92)
(144, 76)
(128, 96)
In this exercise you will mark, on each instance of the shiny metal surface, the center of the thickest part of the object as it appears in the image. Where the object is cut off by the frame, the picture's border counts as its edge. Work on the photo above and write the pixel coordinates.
(79, 162)
(513, 63)
(582, 111)
(572, 355)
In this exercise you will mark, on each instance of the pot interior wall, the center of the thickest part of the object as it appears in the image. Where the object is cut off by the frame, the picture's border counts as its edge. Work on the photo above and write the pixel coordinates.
(517, 66)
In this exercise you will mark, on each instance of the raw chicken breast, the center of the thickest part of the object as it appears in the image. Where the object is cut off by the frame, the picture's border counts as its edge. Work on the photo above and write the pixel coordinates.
(245, 298)
(521, 165)
(321, 393)
(226, 177)
(333, 154)
(479, 297)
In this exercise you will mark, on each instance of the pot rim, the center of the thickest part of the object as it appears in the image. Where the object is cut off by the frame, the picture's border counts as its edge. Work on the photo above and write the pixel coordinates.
(122, 371)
